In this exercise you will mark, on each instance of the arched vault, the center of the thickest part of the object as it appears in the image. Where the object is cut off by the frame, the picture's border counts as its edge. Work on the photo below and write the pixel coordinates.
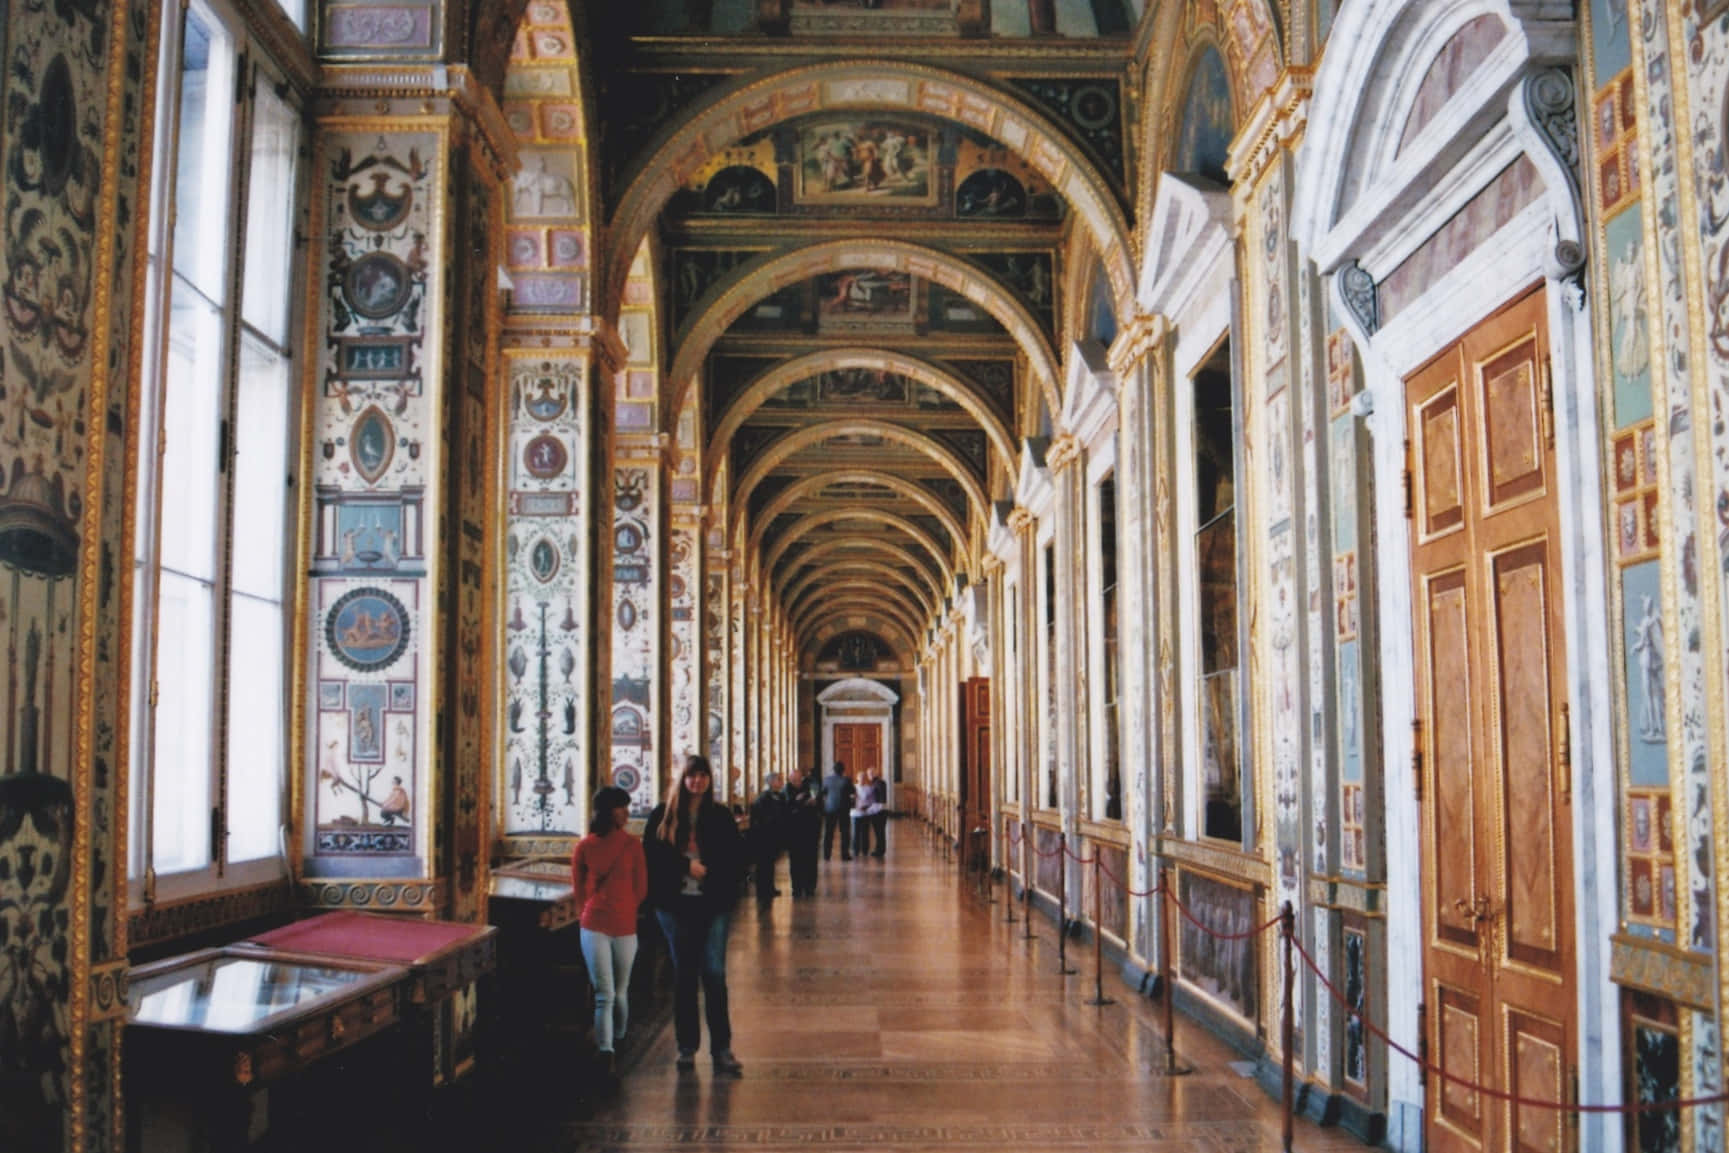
(754, 103)
(853, 600)
(887, 577)
(904, 364)
(808, 437)
(900, 486)
(805, 525)
(750, 283)
(882, 548)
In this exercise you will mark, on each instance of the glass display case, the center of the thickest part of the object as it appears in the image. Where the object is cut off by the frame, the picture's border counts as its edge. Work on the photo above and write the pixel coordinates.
(246, 1016)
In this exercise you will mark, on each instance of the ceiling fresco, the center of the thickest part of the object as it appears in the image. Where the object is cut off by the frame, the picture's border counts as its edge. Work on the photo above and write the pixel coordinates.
(857, 418)
(935, 19)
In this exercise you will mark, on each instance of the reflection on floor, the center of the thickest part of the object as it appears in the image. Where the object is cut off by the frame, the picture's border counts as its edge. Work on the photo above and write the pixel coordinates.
(895, 1011)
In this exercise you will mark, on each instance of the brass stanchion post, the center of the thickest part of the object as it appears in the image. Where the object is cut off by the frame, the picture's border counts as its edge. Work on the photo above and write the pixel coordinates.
(1028, 864)
(1167, 975)
(1062, 900)
(1287, 928)
(1008, 883)
(1099, 997)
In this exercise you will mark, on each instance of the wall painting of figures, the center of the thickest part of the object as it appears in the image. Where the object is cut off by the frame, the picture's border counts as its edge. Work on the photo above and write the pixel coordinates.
(843, 162)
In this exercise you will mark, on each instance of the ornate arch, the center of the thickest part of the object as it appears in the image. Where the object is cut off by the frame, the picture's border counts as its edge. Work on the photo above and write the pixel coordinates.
(756, 103)
(815, 434)
(852, 600)
(880, 360)
(883, 549)
(755, 280)
(899, 485)
(816, 520)
(809, 641)
(851, 568)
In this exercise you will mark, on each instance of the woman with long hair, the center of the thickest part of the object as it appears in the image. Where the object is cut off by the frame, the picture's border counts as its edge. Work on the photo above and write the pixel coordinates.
(609, 878)
(695, 860)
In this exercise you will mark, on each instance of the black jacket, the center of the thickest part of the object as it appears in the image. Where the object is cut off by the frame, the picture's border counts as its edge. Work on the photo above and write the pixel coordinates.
(719, 846)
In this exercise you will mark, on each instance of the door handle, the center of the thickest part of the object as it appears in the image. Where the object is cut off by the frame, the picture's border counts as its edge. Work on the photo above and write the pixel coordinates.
(1478, 910)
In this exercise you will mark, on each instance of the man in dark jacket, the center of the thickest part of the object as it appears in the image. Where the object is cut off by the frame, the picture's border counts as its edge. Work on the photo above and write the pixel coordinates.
(767, 836)
(804, 829)
(880, 818)
(837, 798)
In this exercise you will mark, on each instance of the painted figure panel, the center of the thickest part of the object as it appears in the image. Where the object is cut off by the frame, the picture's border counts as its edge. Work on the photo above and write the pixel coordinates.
(853, 161)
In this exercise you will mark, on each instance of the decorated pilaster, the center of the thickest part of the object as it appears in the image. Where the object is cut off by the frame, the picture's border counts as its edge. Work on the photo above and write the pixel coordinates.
(77, 217)
(684, 591)
(406, 201)
(1277, 535)
(1134, 358)
(549, 756)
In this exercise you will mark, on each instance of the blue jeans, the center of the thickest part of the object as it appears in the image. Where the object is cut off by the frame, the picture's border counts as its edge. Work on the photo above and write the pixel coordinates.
(609, 960)
(696, 937)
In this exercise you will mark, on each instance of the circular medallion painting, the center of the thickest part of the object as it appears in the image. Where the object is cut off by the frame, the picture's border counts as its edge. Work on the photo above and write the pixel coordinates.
(625, 778)
(627, 537)
(377, 285)
(545, 457)
(367, 629)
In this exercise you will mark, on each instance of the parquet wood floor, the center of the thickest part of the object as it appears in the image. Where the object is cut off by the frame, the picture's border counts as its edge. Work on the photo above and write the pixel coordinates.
(896, 1011)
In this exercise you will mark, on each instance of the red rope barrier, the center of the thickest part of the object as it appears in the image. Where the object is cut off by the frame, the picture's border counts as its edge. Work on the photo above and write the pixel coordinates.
(1493, 1094)
(1214, 933)
(1119, 883)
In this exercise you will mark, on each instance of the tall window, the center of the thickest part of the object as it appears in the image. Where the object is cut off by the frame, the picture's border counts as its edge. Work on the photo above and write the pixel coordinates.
(210, 641)
(1110, 773)
(1216, 569)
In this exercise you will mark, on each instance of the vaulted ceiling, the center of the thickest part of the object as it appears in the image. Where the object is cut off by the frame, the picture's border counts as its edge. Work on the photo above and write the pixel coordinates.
(867, 301)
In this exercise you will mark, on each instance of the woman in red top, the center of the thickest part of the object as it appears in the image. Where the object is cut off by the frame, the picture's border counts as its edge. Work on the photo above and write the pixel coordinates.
(610, 881)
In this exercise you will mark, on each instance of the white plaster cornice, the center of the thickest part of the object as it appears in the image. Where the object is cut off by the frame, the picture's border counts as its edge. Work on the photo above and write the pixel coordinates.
(1090, 400)
(1001, 539)
(1035, 491)
(1189, 233)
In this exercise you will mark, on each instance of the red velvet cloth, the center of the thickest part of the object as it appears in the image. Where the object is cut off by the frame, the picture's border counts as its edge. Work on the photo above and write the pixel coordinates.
(400, 940)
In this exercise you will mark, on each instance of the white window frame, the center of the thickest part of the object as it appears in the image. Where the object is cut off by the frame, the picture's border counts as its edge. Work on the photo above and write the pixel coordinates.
(252, 72)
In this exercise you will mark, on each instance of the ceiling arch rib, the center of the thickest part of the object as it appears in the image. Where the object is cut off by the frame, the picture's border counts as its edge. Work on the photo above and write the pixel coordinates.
(777, 453)
(809, 643)
(867, 546)
(851, 562)
(816, 483)
(915, 368)
(829, 577)
(805, 525)
(752, 282)
(852, 600)
(752, 104)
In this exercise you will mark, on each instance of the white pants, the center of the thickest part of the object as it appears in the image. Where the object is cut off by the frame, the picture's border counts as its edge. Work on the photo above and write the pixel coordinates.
(609, 960)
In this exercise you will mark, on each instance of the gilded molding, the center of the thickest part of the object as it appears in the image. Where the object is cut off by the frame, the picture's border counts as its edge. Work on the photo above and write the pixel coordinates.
(1276, 122)
(1654, 967)
(164, 922)
(1064, 451)
(1140, 338)
(1232, 863)
(1021, 520)
(422, 897)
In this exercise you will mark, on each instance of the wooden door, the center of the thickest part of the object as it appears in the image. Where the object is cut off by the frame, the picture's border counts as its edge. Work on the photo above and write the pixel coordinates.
(1491, 731)
(976, 771)
(859, 747)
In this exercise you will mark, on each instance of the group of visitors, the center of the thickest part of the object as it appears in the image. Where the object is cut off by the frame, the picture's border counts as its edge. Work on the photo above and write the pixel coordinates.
(689, 866)
(791, 817)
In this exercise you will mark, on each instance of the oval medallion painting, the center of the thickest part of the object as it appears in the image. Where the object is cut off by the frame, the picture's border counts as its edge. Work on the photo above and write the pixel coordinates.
(377, 285)
(367, 629)
(625, 777)
(543, 560)
(371, 444)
